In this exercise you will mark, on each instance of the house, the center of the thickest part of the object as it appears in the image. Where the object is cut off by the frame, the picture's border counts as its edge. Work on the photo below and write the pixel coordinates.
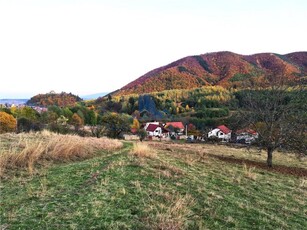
(176, 125)
(221, 132)
(246, 136)
(151, 123)
(154, 130)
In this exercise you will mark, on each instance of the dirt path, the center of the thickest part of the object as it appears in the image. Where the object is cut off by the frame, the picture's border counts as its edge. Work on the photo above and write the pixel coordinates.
(287, 170)
(299, 172)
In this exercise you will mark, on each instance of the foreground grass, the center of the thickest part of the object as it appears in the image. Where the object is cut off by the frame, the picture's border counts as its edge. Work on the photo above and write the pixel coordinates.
(179, 189)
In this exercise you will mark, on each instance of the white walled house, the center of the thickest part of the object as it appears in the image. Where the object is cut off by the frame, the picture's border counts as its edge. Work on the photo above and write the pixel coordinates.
(221, 132)
(153, 130)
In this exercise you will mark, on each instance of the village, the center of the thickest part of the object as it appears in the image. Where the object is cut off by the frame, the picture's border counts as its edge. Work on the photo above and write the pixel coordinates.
(178, 131)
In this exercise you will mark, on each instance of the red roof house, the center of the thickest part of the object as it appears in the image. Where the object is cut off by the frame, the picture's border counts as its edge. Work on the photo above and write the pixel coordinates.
(221, 132)
(224, 129)
(155, 130)
(178, 124)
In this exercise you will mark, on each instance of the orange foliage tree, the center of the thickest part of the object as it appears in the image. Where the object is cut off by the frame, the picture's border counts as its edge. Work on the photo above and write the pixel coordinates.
(7, 123)
(77, 121)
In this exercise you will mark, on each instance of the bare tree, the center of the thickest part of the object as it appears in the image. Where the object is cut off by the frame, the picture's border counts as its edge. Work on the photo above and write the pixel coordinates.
(278, 113)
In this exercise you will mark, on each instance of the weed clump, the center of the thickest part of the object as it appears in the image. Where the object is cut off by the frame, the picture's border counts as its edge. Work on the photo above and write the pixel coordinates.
(143, 150)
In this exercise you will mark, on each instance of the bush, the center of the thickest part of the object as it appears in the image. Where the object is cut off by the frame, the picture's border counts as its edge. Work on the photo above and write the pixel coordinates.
(213, 139)
(58, 128)
(26, 125)
(142, 134)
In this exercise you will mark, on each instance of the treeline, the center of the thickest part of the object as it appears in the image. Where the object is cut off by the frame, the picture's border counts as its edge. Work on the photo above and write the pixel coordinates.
(205, 106)
(79, 119)
(202, 108)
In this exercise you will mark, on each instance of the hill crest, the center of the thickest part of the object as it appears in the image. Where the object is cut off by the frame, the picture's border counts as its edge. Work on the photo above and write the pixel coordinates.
(59, 99)
(225, 68)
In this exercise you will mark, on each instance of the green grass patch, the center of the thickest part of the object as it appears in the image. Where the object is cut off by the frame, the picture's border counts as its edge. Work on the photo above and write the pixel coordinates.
(179, 189)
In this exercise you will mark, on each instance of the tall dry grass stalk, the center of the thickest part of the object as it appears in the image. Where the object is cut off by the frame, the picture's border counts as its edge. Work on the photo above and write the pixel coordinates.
(249, 172)
(143, 150)
(27, 150)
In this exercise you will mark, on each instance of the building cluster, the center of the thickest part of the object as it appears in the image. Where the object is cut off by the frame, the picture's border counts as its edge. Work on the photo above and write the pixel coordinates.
(39, 109)
(164, 130)
(177, 130)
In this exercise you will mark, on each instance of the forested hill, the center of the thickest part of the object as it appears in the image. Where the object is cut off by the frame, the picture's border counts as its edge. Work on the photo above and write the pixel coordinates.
(221, 68)
(52, 98)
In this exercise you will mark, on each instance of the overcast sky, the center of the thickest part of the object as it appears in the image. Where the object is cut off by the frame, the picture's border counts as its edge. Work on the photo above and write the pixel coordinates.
(92, 46)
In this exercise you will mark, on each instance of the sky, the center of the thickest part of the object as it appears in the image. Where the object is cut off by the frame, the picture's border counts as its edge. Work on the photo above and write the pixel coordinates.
(92, 46)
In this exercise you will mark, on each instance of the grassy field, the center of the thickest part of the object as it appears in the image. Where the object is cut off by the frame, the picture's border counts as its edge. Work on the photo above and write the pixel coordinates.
(151, 185)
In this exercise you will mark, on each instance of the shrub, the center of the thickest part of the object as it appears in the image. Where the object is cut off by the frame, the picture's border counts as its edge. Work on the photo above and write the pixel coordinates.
(26, 125)
(214, 139)
(142, 134)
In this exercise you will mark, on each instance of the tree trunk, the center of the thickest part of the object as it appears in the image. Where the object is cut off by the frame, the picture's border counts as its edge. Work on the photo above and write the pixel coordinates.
(270, 157)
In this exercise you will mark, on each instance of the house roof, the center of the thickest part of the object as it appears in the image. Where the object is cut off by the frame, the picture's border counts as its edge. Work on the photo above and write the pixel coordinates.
(178, 124)
(224, 129)
(249, 131)
(152, 127)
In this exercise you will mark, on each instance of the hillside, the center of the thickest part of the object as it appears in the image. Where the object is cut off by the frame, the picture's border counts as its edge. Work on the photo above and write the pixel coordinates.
(221, 68)
(52, 98)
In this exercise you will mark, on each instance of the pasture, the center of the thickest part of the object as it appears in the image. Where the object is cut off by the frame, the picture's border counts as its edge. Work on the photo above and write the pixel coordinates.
(149, 185)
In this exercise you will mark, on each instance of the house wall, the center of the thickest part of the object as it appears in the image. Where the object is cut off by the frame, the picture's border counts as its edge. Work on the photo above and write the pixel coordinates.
(213, 133)
(218, 133)
(157, 132)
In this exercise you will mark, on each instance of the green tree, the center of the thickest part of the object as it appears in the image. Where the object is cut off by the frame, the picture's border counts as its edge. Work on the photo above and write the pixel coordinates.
(66, 112)
(98, 129)
(92, 118)
(116, 124)
(55, 109)
(27, 112)
(52, 117)
(142, 134)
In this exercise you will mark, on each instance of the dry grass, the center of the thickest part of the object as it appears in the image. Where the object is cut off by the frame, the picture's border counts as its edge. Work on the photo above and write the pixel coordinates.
(279, 158)
(143, 150)
(27, 150)
(303, 183)
(249, 172)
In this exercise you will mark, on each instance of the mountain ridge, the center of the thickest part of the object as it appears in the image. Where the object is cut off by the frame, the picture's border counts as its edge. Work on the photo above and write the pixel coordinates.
(224, 68)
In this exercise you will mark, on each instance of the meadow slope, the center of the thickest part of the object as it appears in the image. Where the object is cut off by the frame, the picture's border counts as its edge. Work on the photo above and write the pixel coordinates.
(155, 186)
